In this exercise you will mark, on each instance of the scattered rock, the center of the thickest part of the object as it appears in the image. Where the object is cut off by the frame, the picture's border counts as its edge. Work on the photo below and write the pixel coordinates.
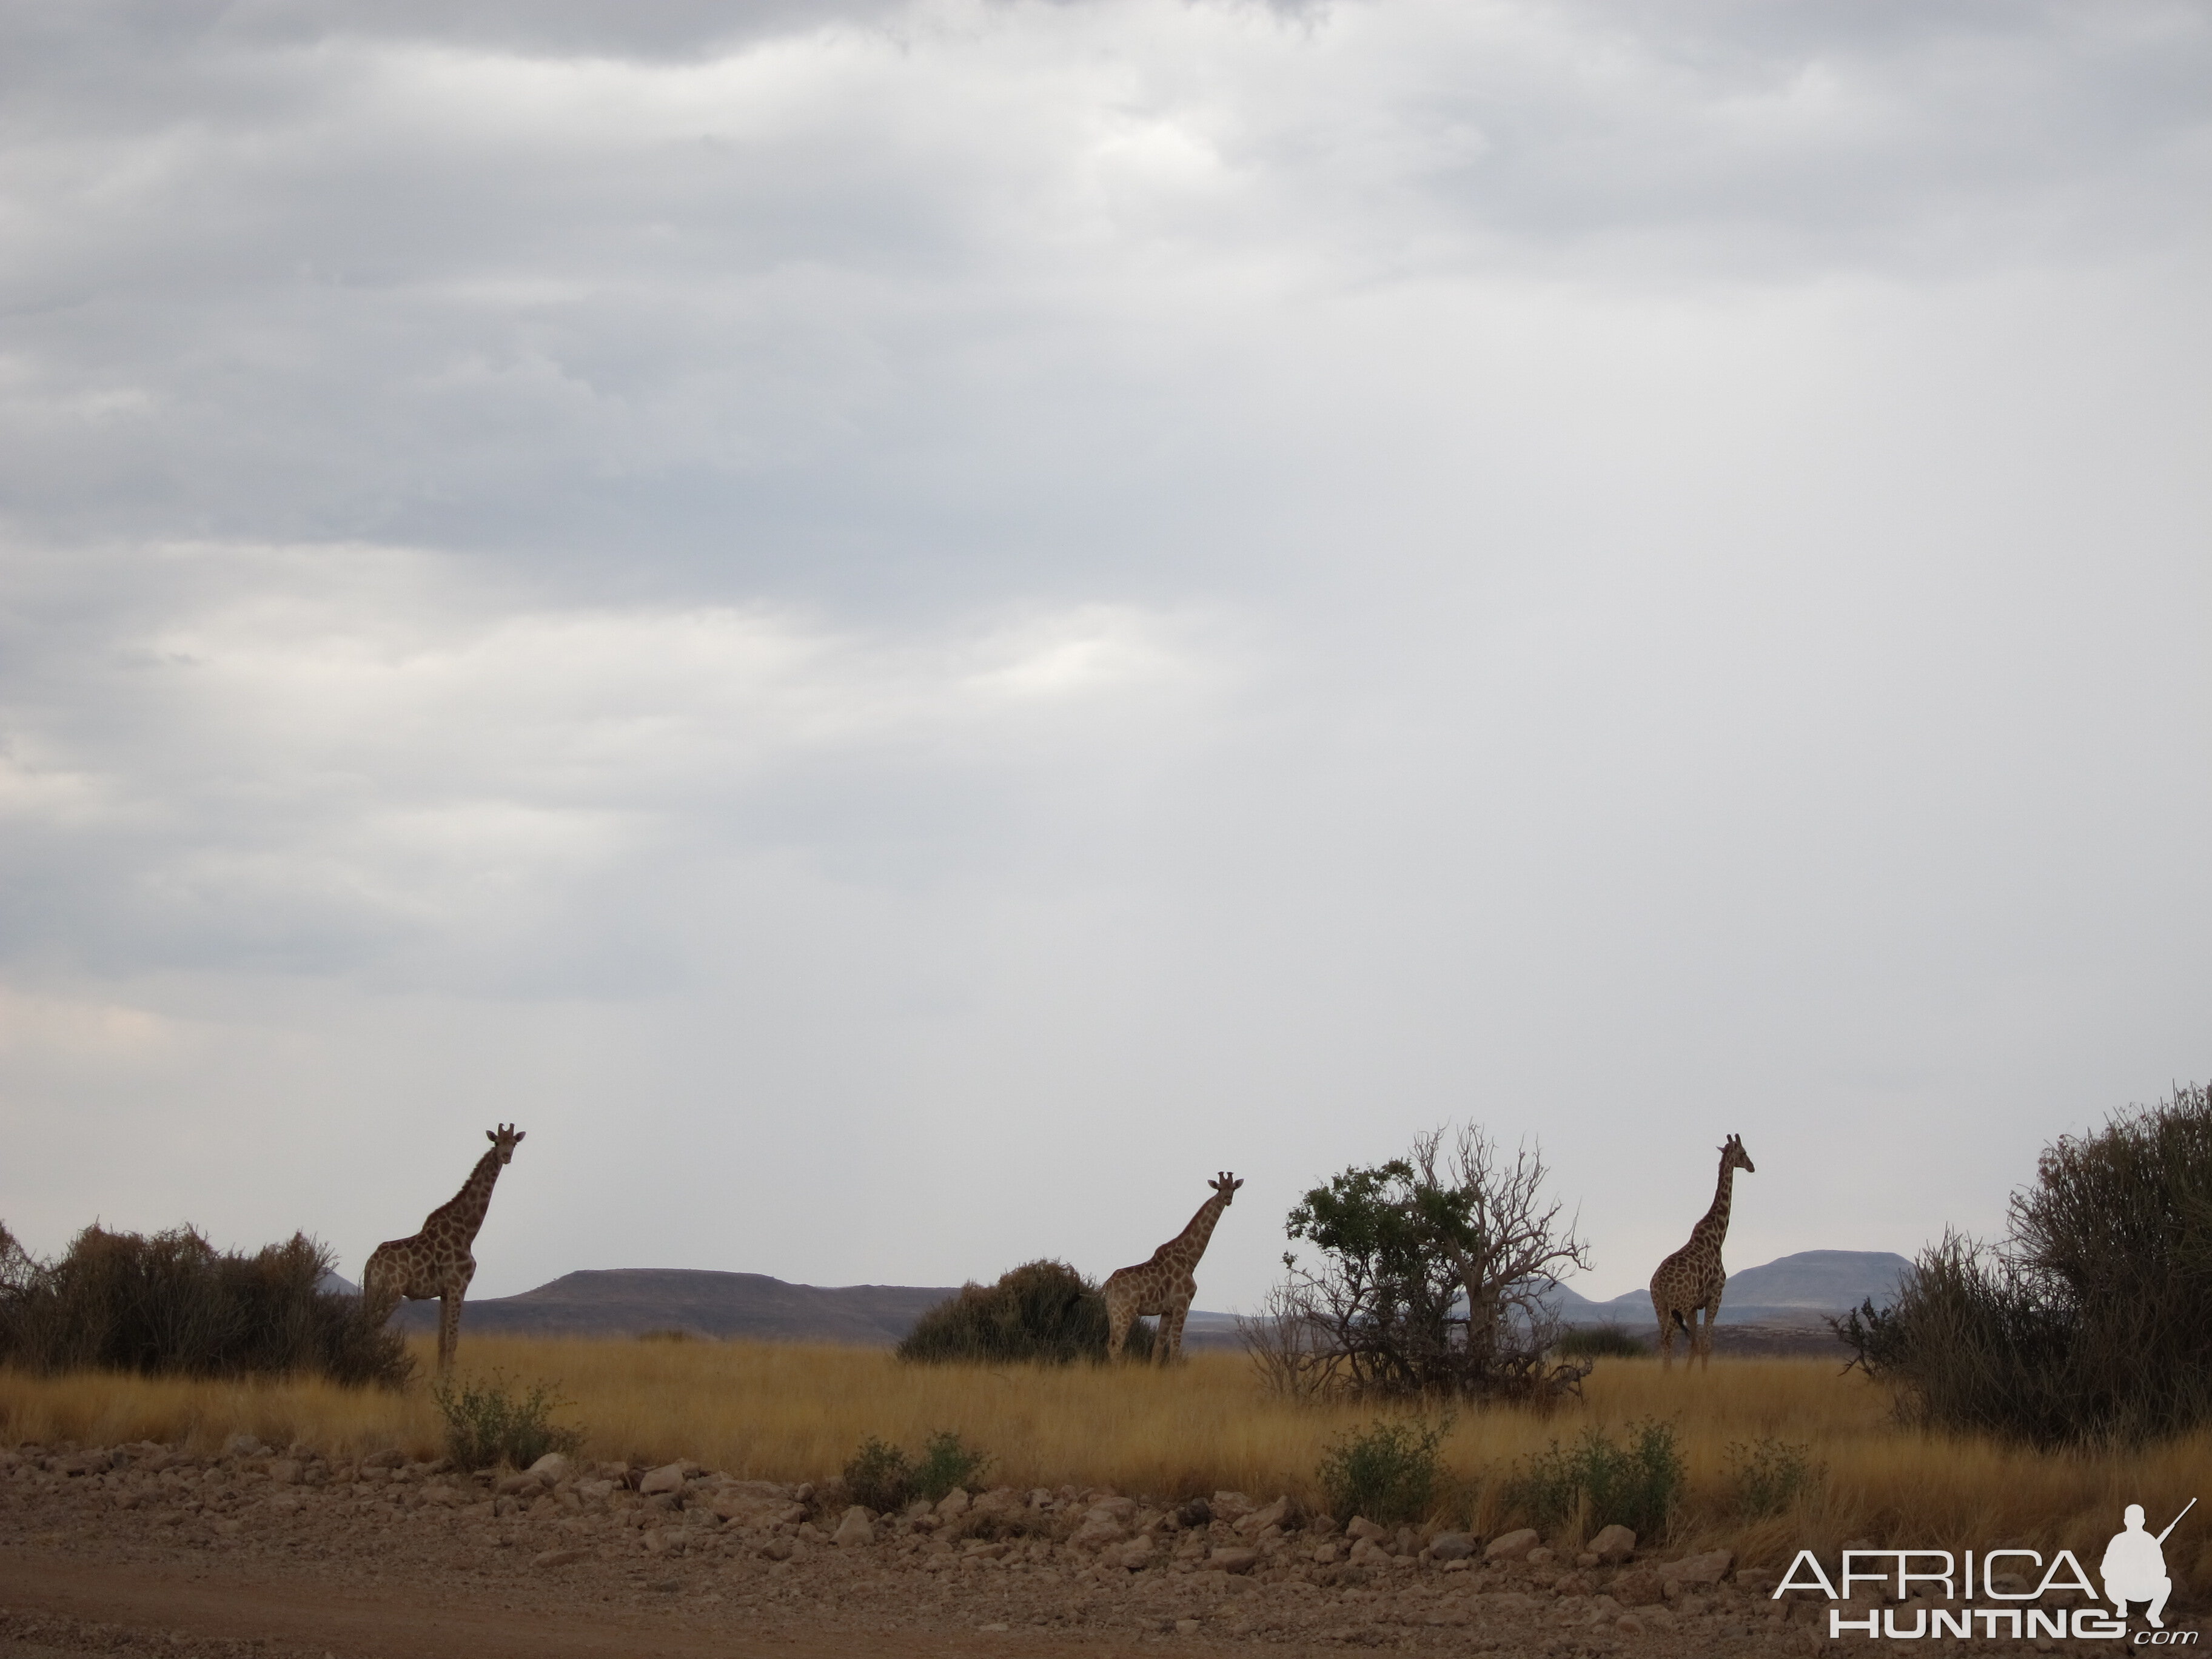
(1233, 1559)
(285, 1472)
(954, 1504)
(518, 1485)
(559, 1557)
(668, 1478)
(389, 1458)
(1101, 1525)
(555, 1466)
(1259, 1520)
(1640, 1587)
(1134, 1556)
(1613, 1544)
(1231, 1506)
(1510, 1546)
(243, 1445)
(1539, 1557)
(1195, 1513)
(1360, 1527)
(1450, 1547)
(1707, 1568)
(857, 1528)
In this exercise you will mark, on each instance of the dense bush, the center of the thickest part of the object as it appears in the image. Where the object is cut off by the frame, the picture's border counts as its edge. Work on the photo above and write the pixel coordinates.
(2093, 1318)
(173, 1304)
(1635, 1486)
(1041, 1310)
(1387, 1472)
(1600, 1342)
(491, 1423)
(884, 1479)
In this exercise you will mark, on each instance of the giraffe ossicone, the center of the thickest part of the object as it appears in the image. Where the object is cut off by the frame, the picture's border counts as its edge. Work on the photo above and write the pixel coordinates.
(1692, 1278)
(1165, 1285)
(436, 1263)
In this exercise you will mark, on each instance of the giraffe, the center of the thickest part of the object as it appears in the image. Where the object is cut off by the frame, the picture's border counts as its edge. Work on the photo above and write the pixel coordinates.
(1692, 1278)
(1164, 1285)
(436, 1262)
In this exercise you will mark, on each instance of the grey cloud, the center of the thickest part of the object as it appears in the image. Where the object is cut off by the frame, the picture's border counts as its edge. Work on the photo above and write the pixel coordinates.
(995, 583)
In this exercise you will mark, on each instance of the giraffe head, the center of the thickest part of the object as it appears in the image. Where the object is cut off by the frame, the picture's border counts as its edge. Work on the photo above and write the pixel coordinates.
(1733, 1156)
(1225, 1184)
(505, 1142)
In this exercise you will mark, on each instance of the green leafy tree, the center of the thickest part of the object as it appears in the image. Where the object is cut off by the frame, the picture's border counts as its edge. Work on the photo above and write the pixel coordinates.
(1427, 1277)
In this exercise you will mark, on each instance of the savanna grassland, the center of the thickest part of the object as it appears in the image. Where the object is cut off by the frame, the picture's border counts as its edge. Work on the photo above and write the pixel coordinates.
(797, 1413)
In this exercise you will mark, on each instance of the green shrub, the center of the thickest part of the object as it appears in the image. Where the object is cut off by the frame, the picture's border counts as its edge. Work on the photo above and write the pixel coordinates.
(945, 1463)
(1766, 1476)
(1387, 1472)
(491, 1423)
(1600, 1342)
(173, 1304)
(879, 1476)
(884, 1479)
(1636, 1485)
(1042, 1310)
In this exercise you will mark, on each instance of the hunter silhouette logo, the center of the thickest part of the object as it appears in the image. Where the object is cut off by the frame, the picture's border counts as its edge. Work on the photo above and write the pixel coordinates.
(1936, 1591)
(2134, 1567)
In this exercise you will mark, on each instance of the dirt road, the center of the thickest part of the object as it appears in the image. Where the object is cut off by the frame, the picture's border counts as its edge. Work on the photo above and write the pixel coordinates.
(222, 1604)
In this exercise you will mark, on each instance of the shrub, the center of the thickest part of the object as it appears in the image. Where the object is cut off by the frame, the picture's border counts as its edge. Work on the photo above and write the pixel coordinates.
(173, 1304)
(1387, 1472)
(1636, 1485)
(1766, 1476)
(1600, 1342)
(884, 1479)
(879, 1476)
(1043, 1311)
(491, 1423)
(2092, 1319)
(946, 1463)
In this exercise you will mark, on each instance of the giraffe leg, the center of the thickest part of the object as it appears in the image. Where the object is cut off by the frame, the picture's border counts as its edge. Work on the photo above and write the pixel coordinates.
(1170, 1344)
(1120, 1315)
(449, 1329)
(1666, 1332)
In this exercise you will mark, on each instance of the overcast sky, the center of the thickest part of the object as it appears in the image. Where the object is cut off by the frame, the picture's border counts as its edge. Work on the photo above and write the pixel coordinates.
(903, 630)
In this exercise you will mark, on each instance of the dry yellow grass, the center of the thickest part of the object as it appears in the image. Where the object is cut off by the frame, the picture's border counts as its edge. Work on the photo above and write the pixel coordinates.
(789, 1412)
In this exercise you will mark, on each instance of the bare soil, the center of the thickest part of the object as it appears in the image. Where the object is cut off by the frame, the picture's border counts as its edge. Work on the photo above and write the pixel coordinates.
(141, 1550)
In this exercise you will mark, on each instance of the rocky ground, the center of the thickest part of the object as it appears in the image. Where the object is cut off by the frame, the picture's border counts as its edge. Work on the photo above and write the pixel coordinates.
(137, 1549)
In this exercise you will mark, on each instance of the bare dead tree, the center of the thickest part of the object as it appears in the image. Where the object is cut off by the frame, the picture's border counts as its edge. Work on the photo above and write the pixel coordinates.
(1290, 1348)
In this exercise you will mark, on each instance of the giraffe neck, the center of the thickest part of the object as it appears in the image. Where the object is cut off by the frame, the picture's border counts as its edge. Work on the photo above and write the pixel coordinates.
(1187, 1246)
(1714, 1228)
(466, 1210)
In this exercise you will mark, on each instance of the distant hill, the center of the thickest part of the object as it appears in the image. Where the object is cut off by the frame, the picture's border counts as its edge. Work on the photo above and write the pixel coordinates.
(629, 1301)
(1793, 1290)
(626, 1301)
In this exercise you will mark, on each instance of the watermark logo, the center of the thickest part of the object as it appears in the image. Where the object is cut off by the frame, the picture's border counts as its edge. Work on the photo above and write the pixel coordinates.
(2133, 1569)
